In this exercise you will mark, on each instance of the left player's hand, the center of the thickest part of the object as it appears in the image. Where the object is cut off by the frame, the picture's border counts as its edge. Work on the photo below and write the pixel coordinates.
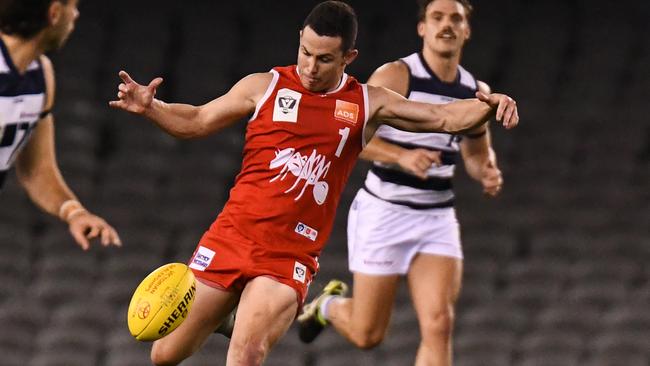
(491, 177)
(506, 108)
(418, 161)
(134, 97)
(85, 226)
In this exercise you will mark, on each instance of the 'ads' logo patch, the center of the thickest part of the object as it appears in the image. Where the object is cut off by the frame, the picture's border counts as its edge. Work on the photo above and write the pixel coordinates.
(286, 106)
(346, 111)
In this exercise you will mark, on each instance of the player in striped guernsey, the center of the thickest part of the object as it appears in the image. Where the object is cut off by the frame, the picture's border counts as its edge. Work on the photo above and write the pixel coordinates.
(403, 222)
(28, 29)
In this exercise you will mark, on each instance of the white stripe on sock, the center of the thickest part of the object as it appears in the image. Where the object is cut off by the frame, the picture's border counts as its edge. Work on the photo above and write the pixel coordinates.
(323, 308)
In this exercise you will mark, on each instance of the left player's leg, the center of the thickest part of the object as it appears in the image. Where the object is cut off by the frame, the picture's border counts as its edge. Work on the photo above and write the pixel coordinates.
(435, 282)
(364, 318)
(266, 310)
(210, 307)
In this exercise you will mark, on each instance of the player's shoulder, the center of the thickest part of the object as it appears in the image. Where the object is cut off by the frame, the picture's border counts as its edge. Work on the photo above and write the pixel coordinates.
(259, 77)
(392, 75)
(253, 87)
(46, 65)
(50, 83)
(393, 69)
(255, 82)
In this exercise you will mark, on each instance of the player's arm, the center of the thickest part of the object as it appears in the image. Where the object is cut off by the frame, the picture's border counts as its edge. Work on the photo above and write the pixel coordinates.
(393, 109)
(39, 175)
(479, 157)
(188, 121)
(394, 76)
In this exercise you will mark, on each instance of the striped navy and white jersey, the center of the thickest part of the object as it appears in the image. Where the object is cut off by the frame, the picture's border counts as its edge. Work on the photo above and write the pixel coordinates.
(390, 183)
(22, 99)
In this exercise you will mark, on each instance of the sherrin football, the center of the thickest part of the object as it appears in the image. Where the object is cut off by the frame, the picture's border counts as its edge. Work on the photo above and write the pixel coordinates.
(161, 302)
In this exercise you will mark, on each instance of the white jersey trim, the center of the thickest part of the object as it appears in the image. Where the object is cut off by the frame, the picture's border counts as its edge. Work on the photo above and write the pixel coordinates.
(388, 191)
(417, 69)
(424, 97)
(267, 94)
(466, 78)
(4, 68)
(344, 80)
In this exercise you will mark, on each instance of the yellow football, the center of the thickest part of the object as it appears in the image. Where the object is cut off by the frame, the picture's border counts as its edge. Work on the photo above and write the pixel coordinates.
(161, 302)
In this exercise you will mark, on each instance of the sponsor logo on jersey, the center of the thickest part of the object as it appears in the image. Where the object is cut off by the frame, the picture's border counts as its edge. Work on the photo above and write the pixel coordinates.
(202, 258)
(286, 106)
(306, 231)
(346, 111)
(299, 272)
(309, 171)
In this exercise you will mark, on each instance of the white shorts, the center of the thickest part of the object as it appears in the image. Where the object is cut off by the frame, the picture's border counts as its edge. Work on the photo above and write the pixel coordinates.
(383, 238)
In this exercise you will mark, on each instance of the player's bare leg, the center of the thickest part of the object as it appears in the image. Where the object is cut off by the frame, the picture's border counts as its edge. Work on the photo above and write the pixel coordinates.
(210, 307)
(265, 311)
(364, 318)
(434, 282)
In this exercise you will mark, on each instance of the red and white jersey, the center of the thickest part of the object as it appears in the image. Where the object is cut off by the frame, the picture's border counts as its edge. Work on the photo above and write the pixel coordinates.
(300, 149)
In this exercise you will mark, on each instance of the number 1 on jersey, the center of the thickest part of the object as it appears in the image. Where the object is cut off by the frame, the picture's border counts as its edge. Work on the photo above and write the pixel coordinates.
(344, 132)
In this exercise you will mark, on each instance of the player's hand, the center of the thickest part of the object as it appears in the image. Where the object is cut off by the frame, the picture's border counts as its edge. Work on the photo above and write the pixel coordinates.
(506, 108)
(85, 226)
(418, 161)
(133, 97)
(491, 177)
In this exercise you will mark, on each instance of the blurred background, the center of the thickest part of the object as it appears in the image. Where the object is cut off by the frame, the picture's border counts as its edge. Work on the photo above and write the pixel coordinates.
(556, 268)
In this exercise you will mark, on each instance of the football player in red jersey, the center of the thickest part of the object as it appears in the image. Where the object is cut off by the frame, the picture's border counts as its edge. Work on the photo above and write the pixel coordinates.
(309, 123)
(402, 222)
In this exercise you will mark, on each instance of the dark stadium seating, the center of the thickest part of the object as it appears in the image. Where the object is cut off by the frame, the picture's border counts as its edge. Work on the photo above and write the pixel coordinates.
(556, 269)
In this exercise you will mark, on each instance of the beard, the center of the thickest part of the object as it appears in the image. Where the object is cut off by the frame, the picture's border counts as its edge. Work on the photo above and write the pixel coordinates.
(56, 40)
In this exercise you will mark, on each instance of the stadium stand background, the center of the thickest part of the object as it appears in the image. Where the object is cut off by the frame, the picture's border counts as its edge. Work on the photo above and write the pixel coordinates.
(556, 268)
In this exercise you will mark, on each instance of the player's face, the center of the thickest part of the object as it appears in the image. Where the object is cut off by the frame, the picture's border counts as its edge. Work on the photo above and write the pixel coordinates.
(321, 62)
(63, 24)
(445, 28)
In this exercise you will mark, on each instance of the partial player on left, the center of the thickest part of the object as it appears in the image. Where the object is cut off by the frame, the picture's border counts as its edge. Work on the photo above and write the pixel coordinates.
(28, 29)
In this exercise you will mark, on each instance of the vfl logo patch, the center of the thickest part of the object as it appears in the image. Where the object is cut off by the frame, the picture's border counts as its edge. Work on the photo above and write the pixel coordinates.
(346, 111)
(202, 258)
(299, 272)
(306, 231)
(286, 104)
(285, 108)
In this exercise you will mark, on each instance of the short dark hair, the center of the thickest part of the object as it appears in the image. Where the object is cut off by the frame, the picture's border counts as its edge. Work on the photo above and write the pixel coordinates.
(24, 18)
(422, 8)
(334, 19)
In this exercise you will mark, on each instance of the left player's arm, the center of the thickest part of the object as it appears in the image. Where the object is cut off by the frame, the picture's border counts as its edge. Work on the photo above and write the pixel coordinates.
(460, 116)
(189, 121)
(39, 174)
(478, 156)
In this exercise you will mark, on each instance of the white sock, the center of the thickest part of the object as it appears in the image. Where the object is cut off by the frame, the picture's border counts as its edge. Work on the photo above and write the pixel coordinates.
(324, 306)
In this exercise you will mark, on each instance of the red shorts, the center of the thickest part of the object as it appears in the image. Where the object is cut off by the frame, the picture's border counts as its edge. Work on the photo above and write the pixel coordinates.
(227, 260)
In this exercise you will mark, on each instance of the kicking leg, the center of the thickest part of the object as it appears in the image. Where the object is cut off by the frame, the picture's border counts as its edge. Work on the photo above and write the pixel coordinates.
(265, 311)
(210, 307)
(434, 282)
